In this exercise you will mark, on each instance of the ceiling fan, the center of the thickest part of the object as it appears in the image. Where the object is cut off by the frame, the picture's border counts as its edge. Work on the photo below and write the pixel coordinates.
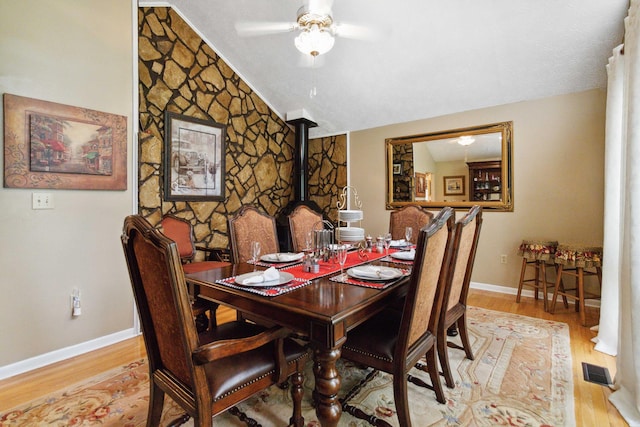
(316, 26)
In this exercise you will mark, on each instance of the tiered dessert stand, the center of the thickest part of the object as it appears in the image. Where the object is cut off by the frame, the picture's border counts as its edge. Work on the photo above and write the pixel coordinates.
(345, 231)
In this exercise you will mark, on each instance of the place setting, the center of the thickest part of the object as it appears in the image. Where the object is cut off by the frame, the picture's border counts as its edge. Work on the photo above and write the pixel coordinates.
(269, 282)
(371, 276)
(277, 260)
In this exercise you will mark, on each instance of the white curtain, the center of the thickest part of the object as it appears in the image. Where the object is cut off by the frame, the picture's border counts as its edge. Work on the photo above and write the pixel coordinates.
(620, 312)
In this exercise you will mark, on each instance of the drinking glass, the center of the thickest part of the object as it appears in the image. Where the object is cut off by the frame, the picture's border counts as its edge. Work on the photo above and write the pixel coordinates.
(387, 242)
(342, 257)
(308, 240)
(255, 252)
(408, 232)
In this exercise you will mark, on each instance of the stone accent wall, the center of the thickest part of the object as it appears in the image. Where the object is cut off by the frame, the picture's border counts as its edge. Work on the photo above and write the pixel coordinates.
(178, 72)
(327, 172)
(403, 183)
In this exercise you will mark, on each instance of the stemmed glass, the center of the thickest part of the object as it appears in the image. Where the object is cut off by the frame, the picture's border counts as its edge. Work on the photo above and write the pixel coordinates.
(255, 253)
(408, 232)
(342, 257)
(387, 242)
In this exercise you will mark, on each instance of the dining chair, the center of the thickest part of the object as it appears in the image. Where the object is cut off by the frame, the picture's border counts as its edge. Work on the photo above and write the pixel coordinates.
(181, 231)
(301, 221)
(412, 216)
(394, 341)
(207, 373)
(250, 225)
(454, 308)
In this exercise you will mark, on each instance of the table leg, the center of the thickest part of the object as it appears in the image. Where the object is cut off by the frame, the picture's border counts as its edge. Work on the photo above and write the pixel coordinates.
(325, 395)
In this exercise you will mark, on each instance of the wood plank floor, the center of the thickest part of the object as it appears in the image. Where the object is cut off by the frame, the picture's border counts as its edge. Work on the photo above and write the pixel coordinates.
(592, 407)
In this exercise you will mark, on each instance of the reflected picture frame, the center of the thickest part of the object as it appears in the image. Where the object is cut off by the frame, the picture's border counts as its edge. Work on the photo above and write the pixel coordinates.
(454, 185)
(194, 159)
(397, 168)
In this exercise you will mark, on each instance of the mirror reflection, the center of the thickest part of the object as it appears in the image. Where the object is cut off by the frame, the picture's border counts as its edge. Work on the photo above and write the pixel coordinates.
(457, 168)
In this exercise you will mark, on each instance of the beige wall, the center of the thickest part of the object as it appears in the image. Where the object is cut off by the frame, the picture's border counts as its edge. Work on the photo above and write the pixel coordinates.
(558, 147)
(80, 54)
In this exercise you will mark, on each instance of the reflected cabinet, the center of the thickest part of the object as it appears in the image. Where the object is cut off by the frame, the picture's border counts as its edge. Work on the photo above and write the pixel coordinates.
(457, 168)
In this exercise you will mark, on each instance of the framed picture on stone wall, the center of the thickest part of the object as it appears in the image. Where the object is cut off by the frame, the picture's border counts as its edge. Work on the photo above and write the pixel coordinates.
(57, 146)
(194, 151)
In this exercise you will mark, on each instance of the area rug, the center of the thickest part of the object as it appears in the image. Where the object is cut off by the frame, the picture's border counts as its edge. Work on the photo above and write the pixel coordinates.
(521, 376)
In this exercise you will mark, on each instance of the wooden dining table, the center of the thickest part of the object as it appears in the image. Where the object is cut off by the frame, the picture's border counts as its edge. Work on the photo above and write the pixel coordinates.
(321, 310)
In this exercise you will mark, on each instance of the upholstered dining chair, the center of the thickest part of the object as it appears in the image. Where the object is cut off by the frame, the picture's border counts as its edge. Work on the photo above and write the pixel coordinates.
(250, 225)
(203, 373)
(454, 310)
(393, 341)
(181, 231)
(301, 221)
(412, 216)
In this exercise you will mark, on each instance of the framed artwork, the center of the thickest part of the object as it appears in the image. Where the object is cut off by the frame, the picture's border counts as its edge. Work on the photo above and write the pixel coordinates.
(454, 185)
(56, 146)
(421, 185)
(397, 168)
(194, 151)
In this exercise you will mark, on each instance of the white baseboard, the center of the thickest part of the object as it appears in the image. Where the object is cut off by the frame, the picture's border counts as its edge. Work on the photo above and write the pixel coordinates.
(525, 292)
(64, 353)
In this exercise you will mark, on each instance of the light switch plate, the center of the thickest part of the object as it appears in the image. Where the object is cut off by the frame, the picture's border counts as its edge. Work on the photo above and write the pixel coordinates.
(42, 201)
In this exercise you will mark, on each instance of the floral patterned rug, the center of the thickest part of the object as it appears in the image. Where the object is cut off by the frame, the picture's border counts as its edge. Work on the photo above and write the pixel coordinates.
(521, 376)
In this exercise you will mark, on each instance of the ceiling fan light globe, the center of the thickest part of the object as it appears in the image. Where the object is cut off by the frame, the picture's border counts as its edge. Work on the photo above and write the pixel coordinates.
(314, 41)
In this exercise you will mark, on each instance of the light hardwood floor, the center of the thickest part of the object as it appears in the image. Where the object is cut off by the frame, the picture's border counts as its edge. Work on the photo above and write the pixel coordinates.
(592, 407)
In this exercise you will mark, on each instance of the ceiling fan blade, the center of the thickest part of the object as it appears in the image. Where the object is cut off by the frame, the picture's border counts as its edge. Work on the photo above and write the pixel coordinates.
(358, 32)
(250, 29)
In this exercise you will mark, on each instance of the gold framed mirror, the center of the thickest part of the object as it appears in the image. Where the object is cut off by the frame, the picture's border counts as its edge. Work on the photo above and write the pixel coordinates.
(458, 168)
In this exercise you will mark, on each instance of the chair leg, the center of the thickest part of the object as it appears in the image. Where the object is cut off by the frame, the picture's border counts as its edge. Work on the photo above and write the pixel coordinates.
(557, 288)
(443, 356)
(464, 335)
(401, 397)
(432, 365)
(536, 279)
(156, 403)
(520, 284)
(564, 297)
(580, 272)
(543, 272)
(297, 392)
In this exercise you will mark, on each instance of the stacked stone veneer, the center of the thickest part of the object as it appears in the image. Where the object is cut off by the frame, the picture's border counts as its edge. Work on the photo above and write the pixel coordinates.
(179, 72)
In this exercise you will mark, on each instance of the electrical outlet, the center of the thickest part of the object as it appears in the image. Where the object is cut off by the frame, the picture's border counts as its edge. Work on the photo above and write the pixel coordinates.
(503, 259)
(42, 201)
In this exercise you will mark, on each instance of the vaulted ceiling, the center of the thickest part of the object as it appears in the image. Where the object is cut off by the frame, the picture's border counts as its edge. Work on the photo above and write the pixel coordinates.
(429, 58)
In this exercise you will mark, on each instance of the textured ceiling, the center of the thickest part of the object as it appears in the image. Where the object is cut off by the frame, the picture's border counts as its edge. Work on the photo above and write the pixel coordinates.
(430, 57)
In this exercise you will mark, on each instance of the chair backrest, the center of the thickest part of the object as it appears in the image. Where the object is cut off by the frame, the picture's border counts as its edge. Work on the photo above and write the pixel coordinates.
(301, 222)
(180, 231)
(160, 293)
(250, 225)
(465, 243)
(412, 216)
(428, 279)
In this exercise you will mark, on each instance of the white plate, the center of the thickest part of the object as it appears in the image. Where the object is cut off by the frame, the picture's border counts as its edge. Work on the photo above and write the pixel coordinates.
(284, 278)
(374, 272)
(282, 257)
(404, 255)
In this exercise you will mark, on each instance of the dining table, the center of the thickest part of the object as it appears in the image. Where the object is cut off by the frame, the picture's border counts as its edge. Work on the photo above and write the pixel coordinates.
(322, 307)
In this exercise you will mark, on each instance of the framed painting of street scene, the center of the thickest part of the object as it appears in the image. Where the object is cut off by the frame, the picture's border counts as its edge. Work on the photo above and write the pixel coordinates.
(56, 146)
(193, 158)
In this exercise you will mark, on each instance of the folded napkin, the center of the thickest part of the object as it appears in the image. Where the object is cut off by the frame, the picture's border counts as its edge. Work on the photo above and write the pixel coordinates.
(286, 256)
(268, 275)
(406, 255)
(400, 242)
(373, 272)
